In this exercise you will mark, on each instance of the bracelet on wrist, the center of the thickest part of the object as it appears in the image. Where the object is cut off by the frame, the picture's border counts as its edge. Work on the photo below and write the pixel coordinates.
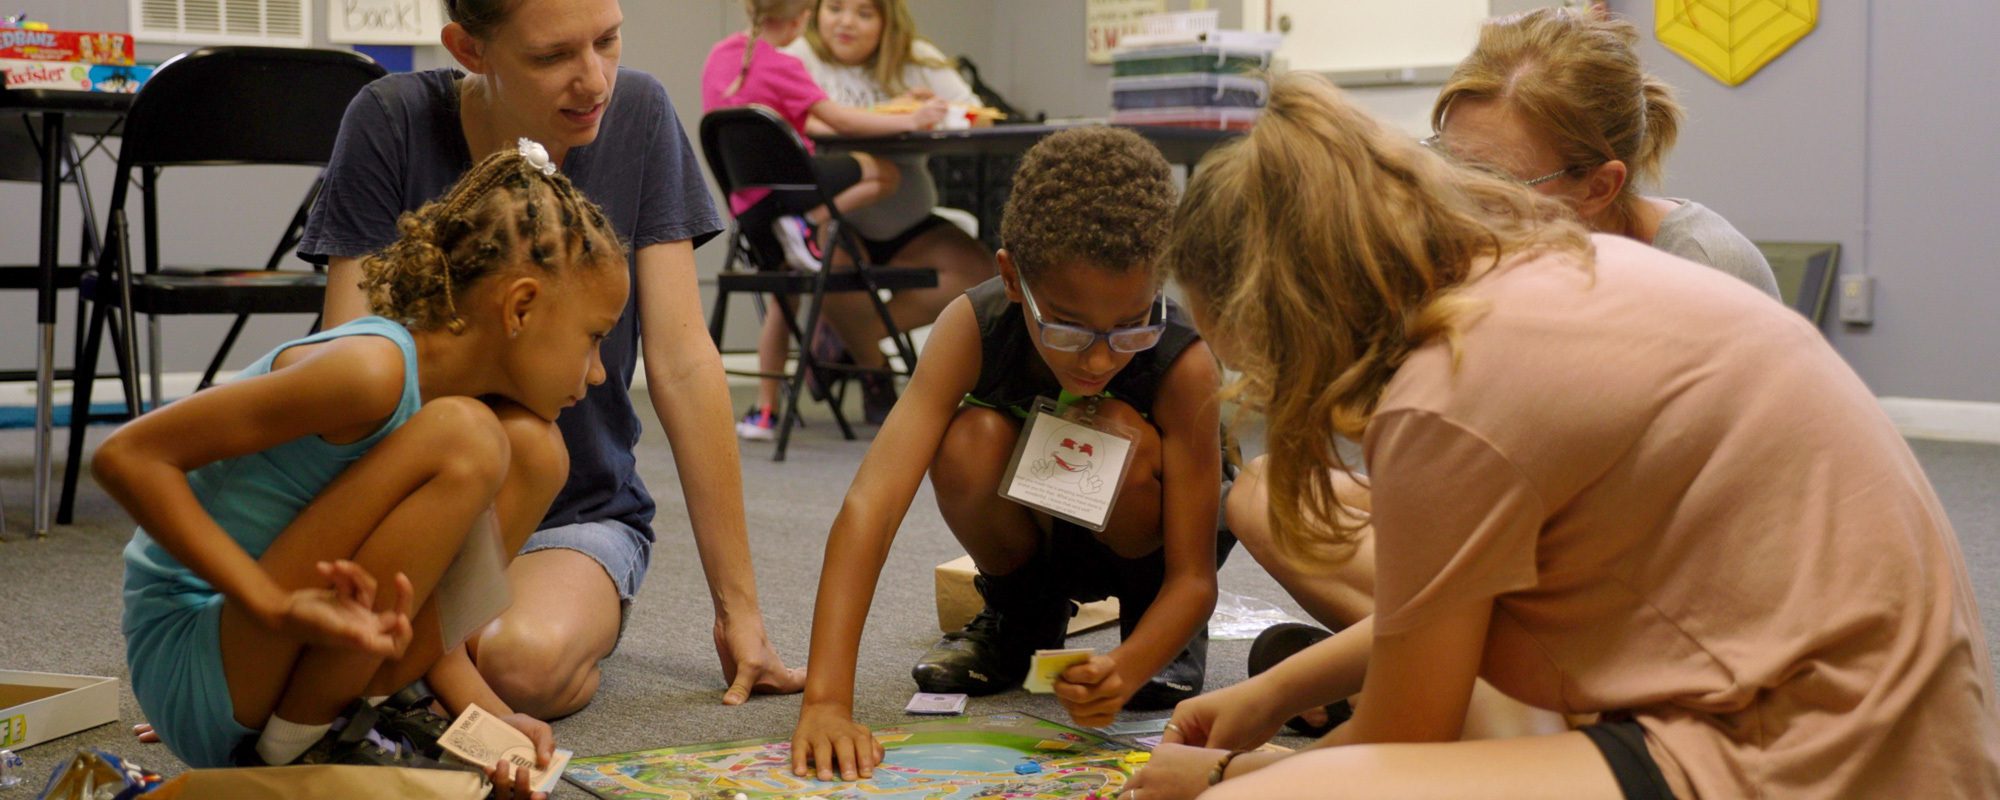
(1221, 768)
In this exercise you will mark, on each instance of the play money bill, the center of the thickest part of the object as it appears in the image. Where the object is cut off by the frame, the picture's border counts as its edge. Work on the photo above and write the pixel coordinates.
(480, 739)
(1048, 665)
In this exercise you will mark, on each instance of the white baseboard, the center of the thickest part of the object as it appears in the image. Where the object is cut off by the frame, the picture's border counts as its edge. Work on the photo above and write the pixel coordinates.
(1950, 420)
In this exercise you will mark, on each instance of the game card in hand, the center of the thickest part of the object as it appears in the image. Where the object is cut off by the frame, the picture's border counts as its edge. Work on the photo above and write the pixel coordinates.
(479, 739)
(1048, 665)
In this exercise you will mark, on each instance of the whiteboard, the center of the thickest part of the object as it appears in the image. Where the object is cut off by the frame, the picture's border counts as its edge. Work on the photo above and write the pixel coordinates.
(1354, 35)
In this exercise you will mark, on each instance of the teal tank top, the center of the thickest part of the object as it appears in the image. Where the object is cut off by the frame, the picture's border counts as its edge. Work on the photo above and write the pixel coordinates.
(254, 497)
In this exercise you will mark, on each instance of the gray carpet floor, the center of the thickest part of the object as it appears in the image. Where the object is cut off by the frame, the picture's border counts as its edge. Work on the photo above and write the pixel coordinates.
(59, 602)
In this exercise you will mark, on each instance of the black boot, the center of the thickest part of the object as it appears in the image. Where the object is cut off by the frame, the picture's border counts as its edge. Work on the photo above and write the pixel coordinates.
(1282, 641)
(992, 652)
(1179, 680)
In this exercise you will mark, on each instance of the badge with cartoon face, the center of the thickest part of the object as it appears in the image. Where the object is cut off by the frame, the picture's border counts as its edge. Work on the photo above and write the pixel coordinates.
(1067, 466)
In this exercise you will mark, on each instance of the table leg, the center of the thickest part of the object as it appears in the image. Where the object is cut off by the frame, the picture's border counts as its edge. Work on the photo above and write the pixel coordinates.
(53, 134)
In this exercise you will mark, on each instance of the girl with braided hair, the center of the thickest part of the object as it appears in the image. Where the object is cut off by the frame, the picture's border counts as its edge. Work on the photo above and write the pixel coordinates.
(549, 70)
(294, 523)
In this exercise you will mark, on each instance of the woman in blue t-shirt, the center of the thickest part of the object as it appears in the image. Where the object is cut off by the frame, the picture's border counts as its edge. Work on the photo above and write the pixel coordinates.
(548, 70)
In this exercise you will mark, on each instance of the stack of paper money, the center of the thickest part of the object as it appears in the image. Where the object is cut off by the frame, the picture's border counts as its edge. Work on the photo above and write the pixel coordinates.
(479, 739)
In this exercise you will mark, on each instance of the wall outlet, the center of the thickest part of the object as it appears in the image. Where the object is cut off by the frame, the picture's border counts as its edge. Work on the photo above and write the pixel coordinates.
(1857, 299)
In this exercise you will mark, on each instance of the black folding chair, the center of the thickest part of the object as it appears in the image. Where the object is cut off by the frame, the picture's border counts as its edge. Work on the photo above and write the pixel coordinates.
(213, 106)
(752, 148)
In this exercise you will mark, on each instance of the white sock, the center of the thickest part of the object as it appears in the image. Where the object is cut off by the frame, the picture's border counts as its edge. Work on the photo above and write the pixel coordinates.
(283, 741)
(377, 699)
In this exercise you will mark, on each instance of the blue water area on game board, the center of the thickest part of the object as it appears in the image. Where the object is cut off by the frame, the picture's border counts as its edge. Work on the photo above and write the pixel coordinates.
(955, 758)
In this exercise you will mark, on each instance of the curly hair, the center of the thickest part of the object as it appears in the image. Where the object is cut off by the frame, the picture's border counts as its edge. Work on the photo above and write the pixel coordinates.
(503, 213)
(1098, 194)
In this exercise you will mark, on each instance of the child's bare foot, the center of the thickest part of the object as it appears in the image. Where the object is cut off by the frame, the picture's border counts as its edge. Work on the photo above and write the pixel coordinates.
(145, 734)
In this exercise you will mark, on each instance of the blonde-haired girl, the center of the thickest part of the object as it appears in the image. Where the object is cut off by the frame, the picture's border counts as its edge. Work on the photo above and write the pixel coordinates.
(1555, 99)
(866, 53)
(271, 509)
(1605, 479)
(747, 69)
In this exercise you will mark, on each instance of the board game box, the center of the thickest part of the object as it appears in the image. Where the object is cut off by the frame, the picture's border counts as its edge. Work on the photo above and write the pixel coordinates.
(995, 755)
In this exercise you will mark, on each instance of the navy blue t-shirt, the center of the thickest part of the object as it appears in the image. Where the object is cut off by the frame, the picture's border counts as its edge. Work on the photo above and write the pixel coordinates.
(401, 145)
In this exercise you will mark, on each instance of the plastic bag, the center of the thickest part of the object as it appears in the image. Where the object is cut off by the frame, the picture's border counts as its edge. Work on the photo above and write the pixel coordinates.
(1239, 617)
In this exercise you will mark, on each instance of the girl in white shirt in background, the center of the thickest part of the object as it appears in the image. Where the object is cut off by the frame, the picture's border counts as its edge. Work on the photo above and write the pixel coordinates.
(866, 53)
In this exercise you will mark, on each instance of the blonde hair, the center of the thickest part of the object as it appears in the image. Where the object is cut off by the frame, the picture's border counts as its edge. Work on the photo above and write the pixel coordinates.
(1574, 76)
(503, 212)
(893, 52)
(760, 12)
(1323, 248)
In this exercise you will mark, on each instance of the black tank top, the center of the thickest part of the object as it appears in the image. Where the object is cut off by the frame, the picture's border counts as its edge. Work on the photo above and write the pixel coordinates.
(1012, 374)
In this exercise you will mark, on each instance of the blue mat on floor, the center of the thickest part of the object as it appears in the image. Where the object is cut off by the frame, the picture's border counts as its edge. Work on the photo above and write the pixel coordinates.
(24, 416)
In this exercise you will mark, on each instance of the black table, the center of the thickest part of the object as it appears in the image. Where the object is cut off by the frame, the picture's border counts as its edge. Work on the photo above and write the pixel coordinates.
(54, 107)
(999, 145)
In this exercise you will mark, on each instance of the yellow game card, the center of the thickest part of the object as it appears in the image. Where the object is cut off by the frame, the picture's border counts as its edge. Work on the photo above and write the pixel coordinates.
(1048, 665)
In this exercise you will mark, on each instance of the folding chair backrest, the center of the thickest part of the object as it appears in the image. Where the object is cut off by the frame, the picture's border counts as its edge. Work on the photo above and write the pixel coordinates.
(244, 105)
(752, 148)
(20, 158)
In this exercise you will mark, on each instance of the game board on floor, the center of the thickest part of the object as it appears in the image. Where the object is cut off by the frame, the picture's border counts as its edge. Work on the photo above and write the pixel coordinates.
(996, 755)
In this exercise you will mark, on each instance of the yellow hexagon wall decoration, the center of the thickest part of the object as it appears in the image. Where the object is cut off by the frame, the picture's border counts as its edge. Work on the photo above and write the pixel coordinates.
(1732, 39)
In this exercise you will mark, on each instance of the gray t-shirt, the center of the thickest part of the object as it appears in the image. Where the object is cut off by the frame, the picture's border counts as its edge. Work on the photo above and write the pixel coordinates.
(1697, 234)
(401, 145)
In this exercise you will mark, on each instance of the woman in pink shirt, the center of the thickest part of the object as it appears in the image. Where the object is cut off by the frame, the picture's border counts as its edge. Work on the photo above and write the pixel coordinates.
(1607, 480)
(747, 69)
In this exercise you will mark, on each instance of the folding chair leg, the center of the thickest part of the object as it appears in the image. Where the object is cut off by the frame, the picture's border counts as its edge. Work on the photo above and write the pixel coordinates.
(83, 378)
(718, 316)
(155, 372)
(214, 364)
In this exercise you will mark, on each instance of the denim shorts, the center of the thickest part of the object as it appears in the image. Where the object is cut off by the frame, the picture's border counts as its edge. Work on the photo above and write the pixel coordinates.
(622, 550)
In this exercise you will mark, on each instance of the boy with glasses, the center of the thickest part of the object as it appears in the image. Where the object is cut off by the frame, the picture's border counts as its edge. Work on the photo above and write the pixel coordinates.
(1077, 313)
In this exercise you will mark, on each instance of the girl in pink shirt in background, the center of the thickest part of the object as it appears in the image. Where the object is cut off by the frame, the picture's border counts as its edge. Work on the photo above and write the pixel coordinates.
(747, 69)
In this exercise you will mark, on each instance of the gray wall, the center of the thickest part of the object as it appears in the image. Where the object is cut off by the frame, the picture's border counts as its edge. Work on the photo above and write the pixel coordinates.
(1873, 131)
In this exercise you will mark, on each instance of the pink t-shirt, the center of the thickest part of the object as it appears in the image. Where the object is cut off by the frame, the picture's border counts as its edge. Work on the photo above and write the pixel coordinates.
(1688, 508)
(775, 80)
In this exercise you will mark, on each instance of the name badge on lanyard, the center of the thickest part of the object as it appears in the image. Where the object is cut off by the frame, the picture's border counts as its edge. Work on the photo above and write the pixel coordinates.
(1068, 463)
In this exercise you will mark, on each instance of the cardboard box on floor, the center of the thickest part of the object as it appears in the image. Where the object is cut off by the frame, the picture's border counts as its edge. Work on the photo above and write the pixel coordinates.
(958, 602)
(36, 707)
(321, 782)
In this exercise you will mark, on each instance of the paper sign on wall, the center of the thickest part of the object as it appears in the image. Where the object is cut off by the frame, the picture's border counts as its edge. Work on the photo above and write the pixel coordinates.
(1106, 21)
(384, 21)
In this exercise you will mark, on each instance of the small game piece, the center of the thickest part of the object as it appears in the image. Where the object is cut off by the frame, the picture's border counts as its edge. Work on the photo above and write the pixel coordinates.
(1048, 665)
(741, 796)
(1027, 768)
(1138, 757)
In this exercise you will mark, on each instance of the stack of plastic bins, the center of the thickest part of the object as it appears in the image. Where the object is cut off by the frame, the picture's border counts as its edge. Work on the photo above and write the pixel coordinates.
(1190, 85)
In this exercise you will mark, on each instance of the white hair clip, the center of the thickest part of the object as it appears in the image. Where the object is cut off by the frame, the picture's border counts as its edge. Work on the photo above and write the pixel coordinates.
(537, 156)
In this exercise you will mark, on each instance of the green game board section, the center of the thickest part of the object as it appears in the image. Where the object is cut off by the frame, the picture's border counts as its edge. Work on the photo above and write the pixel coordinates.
(946, 759)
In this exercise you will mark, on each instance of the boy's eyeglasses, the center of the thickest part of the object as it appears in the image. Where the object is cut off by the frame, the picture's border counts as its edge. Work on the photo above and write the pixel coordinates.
(1436, 145)
(1076, 339)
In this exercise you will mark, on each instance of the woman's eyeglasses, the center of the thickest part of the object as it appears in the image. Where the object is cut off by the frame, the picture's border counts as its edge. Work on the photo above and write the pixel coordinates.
(1436, 145)
(1076, 339)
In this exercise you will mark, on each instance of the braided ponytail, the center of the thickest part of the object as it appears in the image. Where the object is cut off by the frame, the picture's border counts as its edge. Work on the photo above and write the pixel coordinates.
(490, 221)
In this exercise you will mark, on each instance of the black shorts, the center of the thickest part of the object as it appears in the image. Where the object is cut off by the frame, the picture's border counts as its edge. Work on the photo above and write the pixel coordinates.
(836, 173)
(1623, 742)
(881, 250)
(1087, 571)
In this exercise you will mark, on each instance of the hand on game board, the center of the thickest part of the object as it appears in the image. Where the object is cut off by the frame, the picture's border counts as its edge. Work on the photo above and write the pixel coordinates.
(1093, 691)
(828, 739)
(751, 665)
(1237, 717)
(1176, 772)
